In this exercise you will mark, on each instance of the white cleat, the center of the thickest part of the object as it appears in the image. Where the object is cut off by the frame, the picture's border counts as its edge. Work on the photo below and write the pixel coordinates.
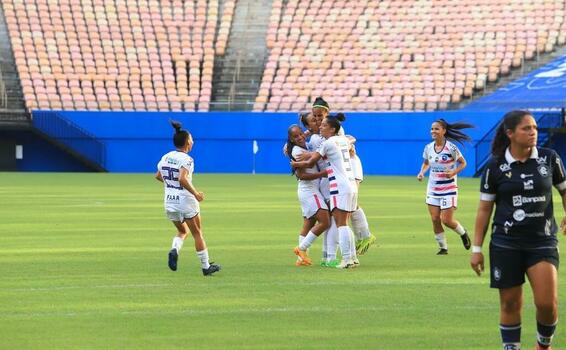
(345, 264)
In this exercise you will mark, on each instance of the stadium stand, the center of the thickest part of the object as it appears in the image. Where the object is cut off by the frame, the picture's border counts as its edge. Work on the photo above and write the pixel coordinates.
(399, 55)
(115, 55)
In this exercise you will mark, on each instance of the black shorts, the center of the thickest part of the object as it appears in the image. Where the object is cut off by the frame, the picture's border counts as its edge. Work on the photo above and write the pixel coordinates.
(509, 266)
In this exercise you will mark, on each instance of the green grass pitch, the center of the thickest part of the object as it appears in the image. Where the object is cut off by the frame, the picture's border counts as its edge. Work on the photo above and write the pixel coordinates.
(83, 265)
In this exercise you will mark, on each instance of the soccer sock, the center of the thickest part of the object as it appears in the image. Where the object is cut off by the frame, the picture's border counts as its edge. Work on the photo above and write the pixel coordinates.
(360, 224)
(324, 254)
(345, 242)
(460, 230)
(441, 240)
(353, 254)
(203, 256)
(307, 241)
(545, 334)
(511, 336)
(177, 243)
(331, 241)
(301, 238)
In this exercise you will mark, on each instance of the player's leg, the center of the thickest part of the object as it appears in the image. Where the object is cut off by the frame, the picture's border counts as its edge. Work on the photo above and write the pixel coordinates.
(182, 232)
(448, 207)
(434, 211)
(194, 225)
(544, 283)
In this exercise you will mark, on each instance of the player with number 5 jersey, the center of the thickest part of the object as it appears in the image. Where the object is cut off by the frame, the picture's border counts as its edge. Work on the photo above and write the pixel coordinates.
(341, 184)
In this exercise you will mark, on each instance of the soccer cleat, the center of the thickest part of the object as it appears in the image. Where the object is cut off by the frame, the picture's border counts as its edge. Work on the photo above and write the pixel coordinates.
(331, 263)
(363, 245)
(303, 256)
(173, 257)
(300, 262)
(211, 269)
(442, 251)
(356, 262)
(539, 347)
(466, 240)
(345, 264)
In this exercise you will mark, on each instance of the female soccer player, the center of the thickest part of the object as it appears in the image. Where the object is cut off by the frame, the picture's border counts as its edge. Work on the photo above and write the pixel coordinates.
(175, 170)
(342, 186)
(360, 226)
(518, 180)
(312, 203)
(445, 161)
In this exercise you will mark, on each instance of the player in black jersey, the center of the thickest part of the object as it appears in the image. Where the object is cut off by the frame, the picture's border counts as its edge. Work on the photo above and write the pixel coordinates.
(518, 180)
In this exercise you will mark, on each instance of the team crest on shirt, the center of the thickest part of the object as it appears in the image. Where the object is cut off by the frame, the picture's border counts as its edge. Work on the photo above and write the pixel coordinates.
(541, 160)
(543, 170)
(496, 273)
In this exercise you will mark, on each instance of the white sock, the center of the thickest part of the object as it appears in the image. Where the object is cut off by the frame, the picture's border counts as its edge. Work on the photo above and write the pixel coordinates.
(177, 243)
(353, 254)
(360, 224)
(324, 247)
(345, 242)
(460, 230)
(331, 241)
(301, 238)
(441, 240)
(203, 256)
(307, 241)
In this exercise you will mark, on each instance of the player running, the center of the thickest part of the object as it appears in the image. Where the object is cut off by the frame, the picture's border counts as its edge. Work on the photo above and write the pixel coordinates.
(175, 170)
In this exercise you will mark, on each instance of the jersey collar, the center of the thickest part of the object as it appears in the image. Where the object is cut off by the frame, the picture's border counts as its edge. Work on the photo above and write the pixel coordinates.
(510, 160)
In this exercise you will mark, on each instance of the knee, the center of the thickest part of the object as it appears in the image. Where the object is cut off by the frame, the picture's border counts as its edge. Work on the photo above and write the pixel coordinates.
(447, 222)
(436, 219)
(547, 307)
(511, 306)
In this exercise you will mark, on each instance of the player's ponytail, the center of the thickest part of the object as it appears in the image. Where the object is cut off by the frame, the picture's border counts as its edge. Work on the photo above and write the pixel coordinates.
(501, 140)
(453, 132)
(181, 136)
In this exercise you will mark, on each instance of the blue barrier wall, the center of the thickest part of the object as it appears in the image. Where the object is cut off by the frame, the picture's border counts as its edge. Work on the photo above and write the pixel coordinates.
(388, 143)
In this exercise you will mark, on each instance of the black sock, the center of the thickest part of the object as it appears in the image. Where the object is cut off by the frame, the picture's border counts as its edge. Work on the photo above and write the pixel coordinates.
(545, 334)
(511, 336)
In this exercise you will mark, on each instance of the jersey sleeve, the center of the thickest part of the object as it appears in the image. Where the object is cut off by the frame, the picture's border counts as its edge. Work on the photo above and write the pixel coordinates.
(425, 153)
(297, 151)
(558, 173)
(488, 184)
(323, 148)
(456, 152)
(186, 163)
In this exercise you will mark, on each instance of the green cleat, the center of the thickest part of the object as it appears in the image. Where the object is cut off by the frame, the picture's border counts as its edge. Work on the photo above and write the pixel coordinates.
(331, 263)
(363, 245)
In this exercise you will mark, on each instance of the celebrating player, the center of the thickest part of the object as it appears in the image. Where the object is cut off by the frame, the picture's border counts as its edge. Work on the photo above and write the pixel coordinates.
(315, 211)
(175, 170)
(342, 186)
(445, 161)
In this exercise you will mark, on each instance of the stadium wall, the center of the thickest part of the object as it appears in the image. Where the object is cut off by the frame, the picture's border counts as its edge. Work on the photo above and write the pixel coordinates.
(388, 143)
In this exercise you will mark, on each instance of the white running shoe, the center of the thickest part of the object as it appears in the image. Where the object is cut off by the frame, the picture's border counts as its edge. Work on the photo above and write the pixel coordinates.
(345, 264)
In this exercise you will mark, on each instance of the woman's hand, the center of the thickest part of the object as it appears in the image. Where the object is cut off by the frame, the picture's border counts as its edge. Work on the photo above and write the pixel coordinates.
(420, 176)
(476, 262)
(199, 196)
(563, 226)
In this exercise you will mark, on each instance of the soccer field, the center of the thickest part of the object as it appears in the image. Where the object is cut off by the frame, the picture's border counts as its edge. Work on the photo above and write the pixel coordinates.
(83, 265)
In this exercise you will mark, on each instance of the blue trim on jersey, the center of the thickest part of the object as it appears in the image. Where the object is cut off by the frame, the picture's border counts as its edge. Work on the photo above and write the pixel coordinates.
(443, 182)
(332, 178)
(334, 192)
(443, 194)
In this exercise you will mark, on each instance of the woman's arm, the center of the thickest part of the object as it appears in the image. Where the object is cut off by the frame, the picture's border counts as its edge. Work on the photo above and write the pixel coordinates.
(303, 175)
(158, 176)
(315, 156)
(184, 181)
(563, 221)
(424, 168)
(485, 209)
(461, 165)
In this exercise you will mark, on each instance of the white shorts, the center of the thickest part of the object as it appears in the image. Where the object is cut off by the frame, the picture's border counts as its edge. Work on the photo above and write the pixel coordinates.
(357, 168)
(188, 213)
(324, 190)
(311, 203)
(346, 202)
(445, 202)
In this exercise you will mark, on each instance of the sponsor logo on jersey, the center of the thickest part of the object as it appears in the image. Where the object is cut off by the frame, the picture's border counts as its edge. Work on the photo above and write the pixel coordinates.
(504, 167)
(520, 215)
(541, 160)
(520, 200)
(529, 184)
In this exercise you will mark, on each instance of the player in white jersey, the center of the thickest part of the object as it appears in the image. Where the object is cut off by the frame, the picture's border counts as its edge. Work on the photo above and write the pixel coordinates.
(316, 218)
(342, 186)
(181, 199)
(445, 161)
